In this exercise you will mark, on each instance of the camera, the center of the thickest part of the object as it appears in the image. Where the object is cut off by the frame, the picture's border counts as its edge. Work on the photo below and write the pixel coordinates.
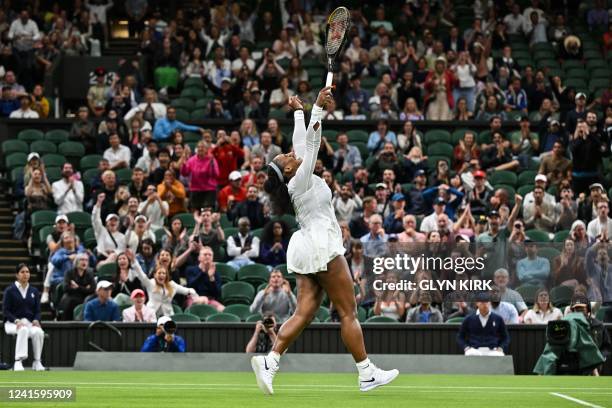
(268, 322)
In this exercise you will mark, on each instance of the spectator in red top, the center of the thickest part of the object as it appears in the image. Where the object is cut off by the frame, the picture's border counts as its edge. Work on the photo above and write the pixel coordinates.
(227, 155)
(439, 85)
(233, 193)
(203, 172)
(256, 165)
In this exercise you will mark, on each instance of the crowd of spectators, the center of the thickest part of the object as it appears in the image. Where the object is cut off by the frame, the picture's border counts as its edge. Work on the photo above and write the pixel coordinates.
(169, 198)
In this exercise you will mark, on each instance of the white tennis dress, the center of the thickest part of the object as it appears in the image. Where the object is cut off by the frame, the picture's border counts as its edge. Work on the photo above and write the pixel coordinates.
(319, 239)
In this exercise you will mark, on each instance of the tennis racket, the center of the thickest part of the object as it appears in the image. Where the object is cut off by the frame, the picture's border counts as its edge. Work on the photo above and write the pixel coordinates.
(338, 24)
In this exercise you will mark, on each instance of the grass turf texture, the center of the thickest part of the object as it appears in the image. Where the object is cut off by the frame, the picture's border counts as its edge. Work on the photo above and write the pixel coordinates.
(197, 389)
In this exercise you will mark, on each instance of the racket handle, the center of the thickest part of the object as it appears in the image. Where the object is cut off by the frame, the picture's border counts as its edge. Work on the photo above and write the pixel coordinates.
(329, 79)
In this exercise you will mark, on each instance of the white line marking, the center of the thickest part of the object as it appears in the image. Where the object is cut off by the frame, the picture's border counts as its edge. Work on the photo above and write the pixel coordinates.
(576, 400)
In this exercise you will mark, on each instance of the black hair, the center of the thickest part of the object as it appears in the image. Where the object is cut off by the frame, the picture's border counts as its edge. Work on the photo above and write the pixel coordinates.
(278, 192)
(268, 231)
(20, 266)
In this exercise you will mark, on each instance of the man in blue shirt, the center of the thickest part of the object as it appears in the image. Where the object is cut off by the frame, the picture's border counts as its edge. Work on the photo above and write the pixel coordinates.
(483, 333)
(533, 269)
(8, 103)
(356, 94)
(165, 126)
(103, 307)
(204, 277)
(377, 139)
(374, 242)
(164, 339)
(516, 98)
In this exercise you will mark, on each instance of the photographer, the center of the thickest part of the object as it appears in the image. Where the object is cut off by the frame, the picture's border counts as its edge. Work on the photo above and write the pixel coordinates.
(164, 339)
(264, 335)
(599, 333)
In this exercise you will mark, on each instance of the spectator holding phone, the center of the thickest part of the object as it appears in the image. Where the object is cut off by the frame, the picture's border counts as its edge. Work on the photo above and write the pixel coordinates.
(277, 298)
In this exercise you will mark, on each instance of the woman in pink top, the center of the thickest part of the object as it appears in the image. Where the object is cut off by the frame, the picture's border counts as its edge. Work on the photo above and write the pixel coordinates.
(202, 170)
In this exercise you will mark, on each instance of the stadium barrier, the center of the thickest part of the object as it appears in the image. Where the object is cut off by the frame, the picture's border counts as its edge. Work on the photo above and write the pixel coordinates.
(292, 362)
(67, 338)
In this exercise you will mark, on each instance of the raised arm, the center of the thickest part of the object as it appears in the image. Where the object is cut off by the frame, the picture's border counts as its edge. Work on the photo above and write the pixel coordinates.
(299, 127)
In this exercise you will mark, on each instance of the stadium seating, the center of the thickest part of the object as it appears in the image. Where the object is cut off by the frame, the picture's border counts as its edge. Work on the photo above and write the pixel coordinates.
(201, 311)
(242, 311)
(237, 292)
(223, 318)
(185, 317)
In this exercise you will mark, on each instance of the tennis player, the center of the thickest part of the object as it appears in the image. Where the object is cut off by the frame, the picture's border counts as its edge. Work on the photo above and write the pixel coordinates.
(315, 253)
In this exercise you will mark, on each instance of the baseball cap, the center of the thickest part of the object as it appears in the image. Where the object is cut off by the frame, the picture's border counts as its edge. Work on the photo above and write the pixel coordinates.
(140, 218)
(136, 293)
(541, 177)
(392, 238)
(381, 185)
(398, 197)
(554, 122)
(419, 172)
(493, 213)
(226, 79)
(439, 201)
(481, 219)
(33, 155)
(61, 218)
(111, 216)
(480, 173)
(580, 95)
(462, 237)
(235, 175)
(146, 127)
(596, 185)
(103, 284)
(100, 71)
(163, 320)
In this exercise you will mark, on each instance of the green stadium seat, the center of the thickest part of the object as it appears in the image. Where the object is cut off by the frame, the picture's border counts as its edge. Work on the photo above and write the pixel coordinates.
(561, 296)
(71, 149)
(577, 73)
(124, 176)
(202, 311)
(548, 253)
(225, 222)
(202, 103)
(185, 317)
(88, 175)
(528, 293)
(16, 174)
(187, 220)
(538, 235)
(592, 55)
(89, 239)
(255, 274)
(230, 231)
(182, 115)
(458, 134)
(561, 236)
(527, 177)
(53, 174)
(43, 147)
(192, 137)
(14, 160)
(548, 63)
(361, 314)
(277, 114)
(183, 103)
(484, 137)
(366, 83)
(597, 64)
(176, 308)
(228, 274)
(544, 55)
(603, 73)
(358, 135)
(455, 320)
(572, 64)
(330, 134)
(503, 177)
(80, 219)
(78, 312)
(193, 82)
(41, 219)
(90, 161)
(254, 318)
(223, 317)
(237, 292)
(363, 149)
(193, 93)
(437, 135)
(107, 272)
(123, 299)
(380, 319)
(576, 83)
(440, 149)
(53, 160)
(30, 135)
(242, 311)
(524, 190)
(599, 83)
(166, 77)
(57, 136)
(15, 146)
(257, 232)
(43, 233)
(289, 220)
(198, 114)
(601, 313)
(323, 313)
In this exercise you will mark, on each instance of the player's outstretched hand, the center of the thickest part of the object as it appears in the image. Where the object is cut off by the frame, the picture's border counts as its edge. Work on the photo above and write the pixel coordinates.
(295, 103)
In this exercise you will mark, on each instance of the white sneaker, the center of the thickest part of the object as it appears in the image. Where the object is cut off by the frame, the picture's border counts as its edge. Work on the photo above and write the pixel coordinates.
(44, 298)
(264, 369)
(377, 378)
(18, 366)
(37, 366)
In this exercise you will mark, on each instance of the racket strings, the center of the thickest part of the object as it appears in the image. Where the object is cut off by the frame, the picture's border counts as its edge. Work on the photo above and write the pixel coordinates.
(338, 24)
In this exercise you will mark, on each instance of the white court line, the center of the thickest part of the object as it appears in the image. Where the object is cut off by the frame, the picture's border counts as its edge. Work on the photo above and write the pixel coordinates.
(576, 400)
(307, 386)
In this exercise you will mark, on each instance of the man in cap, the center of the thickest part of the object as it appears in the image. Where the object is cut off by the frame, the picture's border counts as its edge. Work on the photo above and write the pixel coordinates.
(139, 311)
(164, 339)
(540, 180)
(99, 92)
(555, 166)
(480, 196)
(232, 193)
(552, 133)
(383, 196)
(430, 223)
(483, 333)
(579, 112)
(394, 221)
(587, 205)
(103, 307)
(110, 241)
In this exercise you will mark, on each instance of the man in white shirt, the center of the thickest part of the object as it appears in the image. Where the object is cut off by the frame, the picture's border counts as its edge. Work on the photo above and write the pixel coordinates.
(602, 225)
(150, 108)
(24, 111)
(515, 20)
(148, 161)
(154, 208)
(68, 192)
(118, 156)
(430, 223)
(244, 246)
(244, 60)
(23, 32)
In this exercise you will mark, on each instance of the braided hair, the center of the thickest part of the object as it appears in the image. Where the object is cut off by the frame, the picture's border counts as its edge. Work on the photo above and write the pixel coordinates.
(278, 192)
